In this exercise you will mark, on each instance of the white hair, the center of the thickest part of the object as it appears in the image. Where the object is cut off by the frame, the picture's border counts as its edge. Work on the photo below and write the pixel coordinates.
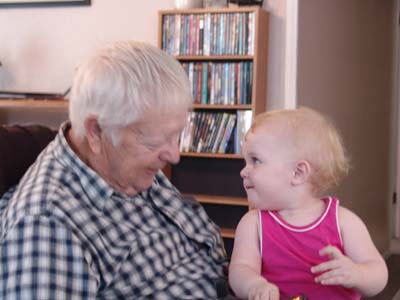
(315, 138)
(122, 82)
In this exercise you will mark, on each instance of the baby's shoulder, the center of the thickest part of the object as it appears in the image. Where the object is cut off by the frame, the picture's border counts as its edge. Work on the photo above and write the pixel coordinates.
(252, 214)
(250, 218)
(348, 218)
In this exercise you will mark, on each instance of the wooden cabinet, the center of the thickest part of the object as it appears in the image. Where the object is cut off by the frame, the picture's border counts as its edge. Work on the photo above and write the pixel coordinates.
(33, 111)
(33, 104)
(224, 52)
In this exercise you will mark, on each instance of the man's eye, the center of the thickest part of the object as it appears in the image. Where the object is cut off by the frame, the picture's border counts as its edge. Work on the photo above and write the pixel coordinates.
(156, 146)
(152, 145)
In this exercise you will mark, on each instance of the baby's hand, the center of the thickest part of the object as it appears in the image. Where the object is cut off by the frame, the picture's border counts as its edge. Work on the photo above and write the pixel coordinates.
(263, 290)
(339, 270)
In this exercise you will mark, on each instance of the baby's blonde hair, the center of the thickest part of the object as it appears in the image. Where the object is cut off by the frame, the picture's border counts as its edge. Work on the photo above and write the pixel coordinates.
(315, 139)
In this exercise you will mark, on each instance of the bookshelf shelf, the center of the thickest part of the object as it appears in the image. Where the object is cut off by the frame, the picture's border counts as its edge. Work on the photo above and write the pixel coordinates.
(211, 155)
(210, 10)
(222, 200)
(228, 233)
(222, 107)
(224, 53)
(214, 57)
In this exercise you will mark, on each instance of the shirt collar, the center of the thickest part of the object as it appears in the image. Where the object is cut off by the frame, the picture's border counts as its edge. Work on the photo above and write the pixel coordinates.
(96, 188)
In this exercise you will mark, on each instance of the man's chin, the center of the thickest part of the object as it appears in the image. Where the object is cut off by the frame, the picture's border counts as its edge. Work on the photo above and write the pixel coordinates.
(133, 191)
(152, 172)
(146, 184)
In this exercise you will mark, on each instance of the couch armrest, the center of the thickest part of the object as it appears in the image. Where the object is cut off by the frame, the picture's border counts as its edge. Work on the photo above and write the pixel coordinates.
(19, 147)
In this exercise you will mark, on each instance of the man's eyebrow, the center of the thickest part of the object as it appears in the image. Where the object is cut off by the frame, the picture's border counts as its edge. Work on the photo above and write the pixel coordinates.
(136, 130)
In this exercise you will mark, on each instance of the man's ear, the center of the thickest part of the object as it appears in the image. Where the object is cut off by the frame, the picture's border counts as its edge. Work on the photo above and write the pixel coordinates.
(93, 134)
(301, 172)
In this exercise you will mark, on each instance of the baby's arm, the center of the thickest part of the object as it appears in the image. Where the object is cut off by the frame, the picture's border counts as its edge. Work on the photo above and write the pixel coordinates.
(245, 268)
(363, 268)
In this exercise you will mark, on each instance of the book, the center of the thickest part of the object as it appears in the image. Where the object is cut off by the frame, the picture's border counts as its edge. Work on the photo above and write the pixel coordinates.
(204, 84)
(244, 119)
(221, 130)
(214, 133)
(227, 134)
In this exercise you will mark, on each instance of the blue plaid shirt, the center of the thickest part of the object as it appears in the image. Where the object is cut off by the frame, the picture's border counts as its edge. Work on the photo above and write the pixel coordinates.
(66, 234)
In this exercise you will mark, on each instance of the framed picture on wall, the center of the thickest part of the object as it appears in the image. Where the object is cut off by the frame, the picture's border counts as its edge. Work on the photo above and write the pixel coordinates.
(27, 3)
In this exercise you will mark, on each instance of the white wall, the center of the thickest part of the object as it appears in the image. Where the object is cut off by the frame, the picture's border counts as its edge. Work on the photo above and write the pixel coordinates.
(41, 47)
(277, 52)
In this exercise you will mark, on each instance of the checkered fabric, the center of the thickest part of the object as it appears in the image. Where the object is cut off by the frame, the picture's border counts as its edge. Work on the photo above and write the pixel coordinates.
(66, 234)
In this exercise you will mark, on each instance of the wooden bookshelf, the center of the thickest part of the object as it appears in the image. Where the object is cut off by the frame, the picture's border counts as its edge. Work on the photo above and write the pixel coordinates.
(192, 37)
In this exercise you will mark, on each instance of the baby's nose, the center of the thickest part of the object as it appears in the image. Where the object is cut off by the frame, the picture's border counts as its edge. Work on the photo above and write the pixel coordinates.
(244, 172)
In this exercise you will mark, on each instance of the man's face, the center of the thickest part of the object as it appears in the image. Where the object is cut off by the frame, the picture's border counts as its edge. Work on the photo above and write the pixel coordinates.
(143, 148)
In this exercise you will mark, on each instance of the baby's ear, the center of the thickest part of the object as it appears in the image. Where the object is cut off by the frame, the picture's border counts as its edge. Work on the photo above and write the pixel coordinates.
(301, 172)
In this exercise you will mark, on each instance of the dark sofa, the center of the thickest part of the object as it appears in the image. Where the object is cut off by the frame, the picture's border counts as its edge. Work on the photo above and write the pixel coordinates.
(19, 147)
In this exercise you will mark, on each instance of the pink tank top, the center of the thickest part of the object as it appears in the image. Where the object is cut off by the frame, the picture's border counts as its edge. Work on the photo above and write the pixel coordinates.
(289, 252)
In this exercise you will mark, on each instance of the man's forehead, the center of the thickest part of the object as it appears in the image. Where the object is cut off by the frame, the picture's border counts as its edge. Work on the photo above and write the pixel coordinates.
(160, 124)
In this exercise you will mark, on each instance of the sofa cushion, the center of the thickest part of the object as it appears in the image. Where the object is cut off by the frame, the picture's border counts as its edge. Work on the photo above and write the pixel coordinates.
(19, 147)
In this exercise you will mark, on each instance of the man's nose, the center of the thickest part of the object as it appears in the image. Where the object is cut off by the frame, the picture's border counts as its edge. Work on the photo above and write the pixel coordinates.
(171, 152)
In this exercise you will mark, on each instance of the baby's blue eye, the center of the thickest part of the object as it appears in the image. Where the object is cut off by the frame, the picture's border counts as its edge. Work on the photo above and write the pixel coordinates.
(255, 160)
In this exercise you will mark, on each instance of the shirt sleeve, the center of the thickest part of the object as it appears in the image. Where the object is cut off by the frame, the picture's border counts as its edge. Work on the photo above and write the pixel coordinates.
(41, 259)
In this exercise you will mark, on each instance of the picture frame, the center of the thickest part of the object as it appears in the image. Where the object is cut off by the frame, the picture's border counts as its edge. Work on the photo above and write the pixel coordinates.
(42, 3)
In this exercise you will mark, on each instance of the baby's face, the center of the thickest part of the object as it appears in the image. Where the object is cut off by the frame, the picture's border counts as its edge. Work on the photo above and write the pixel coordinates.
(270, 166)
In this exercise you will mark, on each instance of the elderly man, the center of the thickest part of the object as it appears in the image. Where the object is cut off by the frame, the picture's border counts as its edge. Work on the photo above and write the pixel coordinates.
(94, 217)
